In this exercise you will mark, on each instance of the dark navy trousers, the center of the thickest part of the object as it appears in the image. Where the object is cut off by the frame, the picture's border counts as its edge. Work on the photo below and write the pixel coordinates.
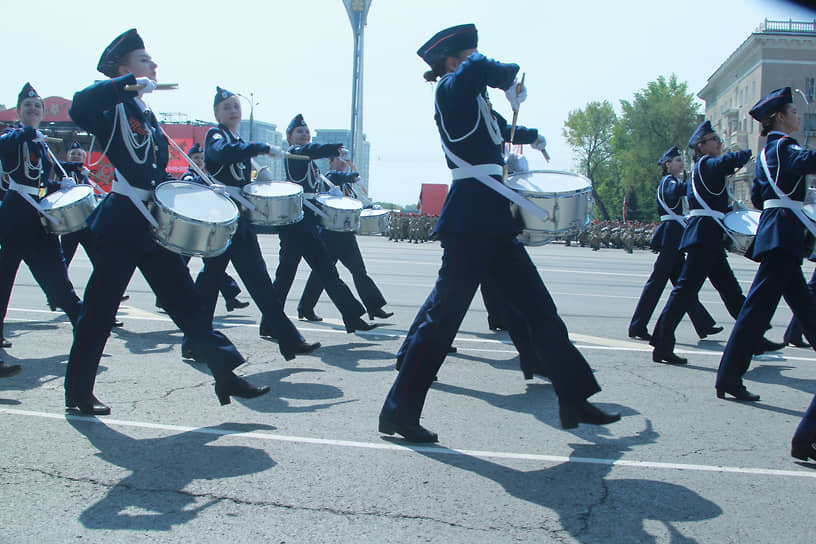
(24, 239)
(806, 431)
(793, 334)
(124, 242)
(779, 275)
(667, 266)
(245, 254)
(302, 241)
(343, 246)
(467, 261)
(701, 263)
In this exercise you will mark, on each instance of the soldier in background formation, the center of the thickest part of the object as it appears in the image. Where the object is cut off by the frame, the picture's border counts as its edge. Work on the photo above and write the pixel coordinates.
(411, 227)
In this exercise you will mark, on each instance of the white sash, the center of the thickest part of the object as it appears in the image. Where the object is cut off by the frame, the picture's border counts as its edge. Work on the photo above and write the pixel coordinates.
(22, 191)
(123, 187)
(670, 215)
(499, 187)
(784, 201)
(706, 208)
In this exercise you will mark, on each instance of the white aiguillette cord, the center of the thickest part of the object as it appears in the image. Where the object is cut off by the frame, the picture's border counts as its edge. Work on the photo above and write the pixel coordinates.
(793, 205)
(234, 192)
(497, 186)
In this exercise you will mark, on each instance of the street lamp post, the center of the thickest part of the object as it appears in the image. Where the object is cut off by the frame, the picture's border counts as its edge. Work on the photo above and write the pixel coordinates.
(252, 105)
(358, 12)
(807, 117)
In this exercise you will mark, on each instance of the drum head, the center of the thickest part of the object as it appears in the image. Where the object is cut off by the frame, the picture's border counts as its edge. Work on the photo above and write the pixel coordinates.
(742, 221)
(195, 201)
(538, 182)
(369, 212)
(66, 197)
(340, 202)
(810, 211)
(272, 189)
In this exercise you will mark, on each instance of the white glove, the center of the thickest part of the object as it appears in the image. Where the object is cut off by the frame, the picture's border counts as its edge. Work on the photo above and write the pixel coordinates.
(147, 84)
(85, 171)
(275, 151)
(517, 163)
(540, 144)
(514, 96)
(345, 154)
(40, 137)
(335, 191)
(67, 183)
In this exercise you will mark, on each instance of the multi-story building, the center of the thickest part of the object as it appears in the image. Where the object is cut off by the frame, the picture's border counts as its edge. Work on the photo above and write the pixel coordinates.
(778, 54)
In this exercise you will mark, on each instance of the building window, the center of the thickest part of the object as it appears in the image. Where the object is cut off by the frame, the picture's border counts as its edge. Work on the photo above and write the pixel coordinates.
(810, 122)
(810, 88)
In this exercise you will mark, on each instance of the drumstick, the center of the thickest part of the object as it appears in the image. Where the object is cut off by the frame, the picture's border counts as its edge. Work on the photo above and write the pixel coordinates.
(204, 176)
(159, 87)
(519, 88)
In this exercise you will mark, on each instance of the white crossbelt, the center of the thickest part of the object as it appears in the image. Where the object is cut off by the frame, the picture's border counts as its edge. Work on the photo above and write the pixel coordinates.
(670, 215)
(707, 211)
(137, 196)
(236, 194)
(784, 201)
(673, 217)
(508, 193)
(26, 191)
(477, 169)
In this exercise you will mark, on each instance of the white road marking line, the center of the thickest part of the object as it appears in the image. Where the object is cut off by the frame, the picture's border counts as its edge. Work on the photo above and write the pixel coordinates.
(421, 449)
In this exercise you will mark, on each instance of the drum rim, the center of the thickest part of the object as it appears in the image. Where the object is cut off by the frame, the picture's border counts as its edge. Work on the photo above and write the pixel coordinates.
(163, 206)
(87, 189)
(325, 196)
(298, 189)
(582, 190)
(740, 213)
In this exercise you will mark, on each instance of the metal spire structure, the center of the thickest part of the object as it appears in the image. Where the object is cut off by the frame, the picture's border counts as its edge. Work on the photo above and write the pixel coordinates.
(358, 12)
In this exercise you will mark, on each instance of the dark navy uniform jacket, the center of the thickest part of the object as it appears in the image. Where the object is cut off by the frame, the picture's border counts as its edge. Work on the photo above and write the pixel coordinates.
(305, 173)
(471, 207)
(74, 169)
(16, 210)
(779, 228)
(94, 109)
(668, 233)
(710, 172)
(344, 180)
(227, 157)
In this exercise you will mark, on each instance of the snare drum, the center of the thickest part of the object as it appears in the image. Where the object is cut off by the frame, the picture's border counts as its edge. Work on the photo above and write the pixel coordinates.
(742, 225)
(374, 222)
(566, 197)
(71, 206)
(276, 202)
(342, 212)
(193, 219)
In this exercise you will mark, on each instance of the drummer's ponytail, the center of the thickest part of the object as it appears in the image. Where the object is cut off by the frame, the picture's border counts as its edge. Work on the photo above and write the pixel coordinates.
(437, 70)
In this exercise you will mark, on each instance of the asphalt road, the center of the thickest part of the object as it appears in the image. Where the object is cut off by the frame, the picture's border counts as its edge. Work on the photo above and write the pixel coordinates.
(305, 463)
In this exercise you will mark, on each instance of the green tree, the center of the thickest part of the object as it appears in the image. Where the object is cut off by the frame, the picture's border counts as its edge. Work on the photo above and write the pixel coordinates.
(661, 115)
(589, 133)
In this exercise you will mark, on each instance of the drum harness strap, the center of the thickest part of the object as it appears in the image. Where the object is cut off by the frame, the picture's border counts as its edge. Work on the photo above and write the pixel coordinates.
(707, 211)
(670, 215)
(137, 196)
(25, 191)
(482, 172)
(784, 201)
(307, 197)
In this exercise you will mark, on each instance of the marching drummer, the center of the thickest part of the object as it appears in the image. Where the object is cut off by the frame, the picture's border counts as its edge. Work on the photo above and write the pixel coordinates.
(25, 160)
(478, 235)
(779, 190)
(302, 239)
(114, 111)
(702, 241)
(228, 159)
(228, 287)
(669, 263)
(343, 246)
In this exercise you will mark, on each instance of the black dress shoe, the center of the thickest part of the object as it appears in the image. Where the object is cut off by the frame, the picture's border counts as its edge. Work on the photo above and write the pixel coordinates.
(235, 304)
(411, 432)
(529, 373)
(739, 393)
(803, 450)
(382, 314)
(669, 358)
(266, 332)
(124, 298)
(89, 405)
(572, 414)
(117, 323)
(7, 371)
(766, 345)
(309, 315)
(233, 386)
(187, 352)
(798, 343)
(5, 343)
(452, 349)
(643, 335)
(360, 325)
(302, 349)
(713, 330)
